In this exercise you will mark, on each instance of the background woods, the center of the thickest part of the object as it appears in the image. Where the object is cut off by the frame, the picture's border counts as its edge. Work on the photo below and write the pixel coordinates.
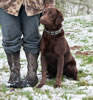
(75, 7)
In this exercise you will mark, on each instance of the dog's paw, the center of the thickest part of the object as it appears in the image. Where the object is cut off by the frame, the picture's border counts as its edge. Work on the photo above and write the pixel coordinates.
(57, 85)
(40, 85)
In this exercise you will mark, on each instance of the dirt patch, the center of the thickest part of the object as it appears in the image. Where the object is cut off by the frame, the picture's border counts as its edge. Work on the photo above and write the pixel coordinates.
(84, 53)
(75, 47)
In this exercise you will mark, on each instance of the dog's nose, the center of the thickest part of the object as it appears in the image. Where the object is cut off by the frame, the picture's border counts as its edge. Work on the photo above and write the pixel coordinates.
(42, 20)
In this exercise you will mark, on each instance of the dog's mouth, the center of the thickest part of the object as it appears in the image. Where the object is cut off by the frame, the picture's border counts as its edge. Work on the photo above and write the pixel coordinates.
(42, 21)
(45, 22)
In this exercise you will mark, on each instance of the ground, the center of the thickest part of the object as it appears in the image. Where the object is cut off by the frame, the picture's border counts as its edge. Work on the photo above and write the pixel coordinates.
(79, 34)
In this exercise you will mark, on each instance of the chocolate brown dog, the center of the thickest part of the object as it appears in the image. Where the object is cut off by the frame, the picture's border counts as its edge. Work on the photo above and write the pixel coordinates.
(56, 58)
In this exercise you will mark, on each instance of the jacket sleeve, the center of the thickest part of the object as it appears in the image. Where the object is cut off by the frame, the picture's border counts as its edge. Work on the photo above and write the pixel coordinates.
(49, 2)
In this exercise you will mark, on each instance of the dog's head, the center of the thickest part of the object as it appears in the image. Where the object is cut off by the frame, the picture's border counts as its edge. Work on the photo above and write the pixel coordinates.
(51, 16)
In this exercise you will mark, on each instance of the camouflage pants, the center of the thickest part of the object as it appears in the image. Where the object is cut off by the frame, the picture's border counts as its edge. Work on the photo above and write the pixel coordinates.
(21, 30)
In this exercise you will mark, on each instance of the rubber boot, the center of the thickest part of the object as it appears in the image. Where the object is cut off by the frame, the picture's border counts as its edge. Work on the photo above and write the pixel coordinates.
(31, 78)
(14, 65)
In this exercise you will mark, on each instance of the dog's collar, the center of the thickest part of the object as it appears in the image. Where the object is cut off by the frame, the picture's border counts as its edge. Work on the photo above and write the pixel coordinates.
(54, 32)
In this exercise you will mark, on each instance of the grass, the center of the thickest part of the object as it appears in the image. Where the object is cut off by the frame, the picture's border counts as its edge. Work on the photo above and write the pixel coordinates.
(85, 48)
(2, 55)
(46, 91)
(86, 59)
(80, 92)
(82, 83)
(27, 94)
(66, 97)
(66, 22)
(77, 30)
(22, 60)
(81, 73)
(51, 82)
(84, 40)
(3, 88)
(83, 22)
(4, 69)
(89, 24)
(36, 90)
(88, 98)
(72, 36)
(90, 30)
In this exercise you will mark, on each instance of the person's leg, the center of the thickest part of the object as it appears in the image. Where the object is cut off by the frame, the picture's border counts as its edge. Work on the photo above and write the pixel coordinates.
(11, 32)
(31, 45)
(31, 39)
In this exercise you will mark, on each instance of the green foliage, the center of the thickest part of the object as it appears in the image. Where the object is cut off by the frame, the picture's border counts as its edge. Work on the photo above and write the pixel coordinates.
(88, 98)
(87, 47)
(2, 55)
(90, 30)
(81, 74)
(82, 83)
(86, 59)
(3, 88)
(4, 69)
(66, 97)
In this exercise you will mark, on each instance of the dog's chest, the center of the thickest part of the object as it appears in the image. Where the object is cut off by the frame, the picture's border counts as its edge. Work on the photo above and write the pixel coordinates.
(50, 46)
(49, 50)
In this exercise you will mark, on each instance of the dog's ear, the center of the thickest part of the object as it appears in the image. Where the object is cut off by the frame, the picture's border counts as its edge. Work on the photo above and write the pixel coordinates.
(59, 18)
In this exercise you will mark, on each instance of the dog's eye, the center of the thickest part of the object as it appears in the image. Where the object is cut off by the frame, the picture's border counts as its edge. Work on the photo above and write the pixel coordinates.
(44, 11)
(50, 12)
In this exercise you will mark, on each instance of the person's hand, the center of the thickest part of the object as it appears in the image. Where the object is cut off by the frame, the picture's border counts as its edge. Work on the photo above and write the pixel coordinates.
(49, 6)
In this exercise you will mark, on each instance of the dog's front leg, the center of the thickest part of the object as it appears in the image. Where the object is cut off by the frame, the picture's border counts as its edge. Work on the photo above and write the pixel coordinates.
(59, 71)
(44, 71)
